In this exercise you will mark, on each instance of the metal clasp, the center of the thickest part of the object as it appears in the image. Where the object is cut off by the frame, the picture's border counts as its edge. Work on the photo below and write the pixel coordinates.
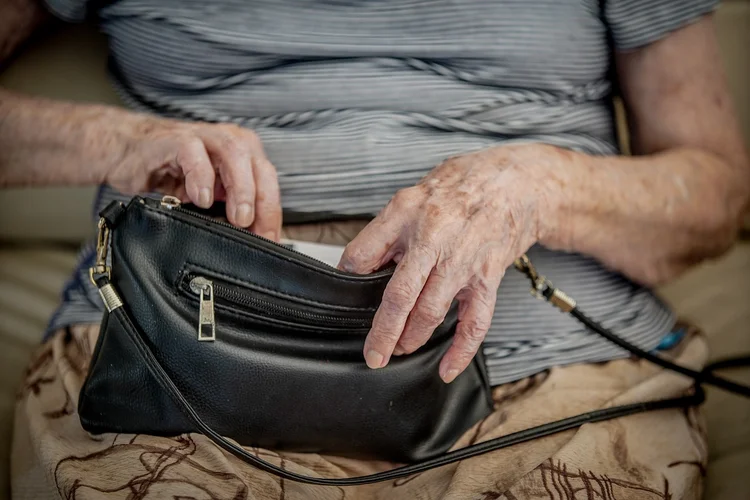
(538, 283)
(170, 202)
(542, 288)
(100, 267)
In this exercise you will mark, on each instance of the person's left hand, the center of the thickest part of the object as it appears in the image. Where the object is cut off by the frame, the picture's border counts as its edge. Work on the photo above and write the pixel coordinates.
(453, 235)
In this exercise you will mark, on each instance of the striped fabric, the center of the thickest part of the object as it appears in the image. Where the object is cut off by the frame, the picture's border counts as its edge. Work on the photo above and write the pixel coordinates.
(357, 99)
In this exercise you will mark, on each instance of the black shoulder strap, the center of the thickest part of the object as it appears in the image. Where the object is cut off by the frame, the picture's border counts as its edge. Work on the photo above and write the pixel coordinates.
(165, 382)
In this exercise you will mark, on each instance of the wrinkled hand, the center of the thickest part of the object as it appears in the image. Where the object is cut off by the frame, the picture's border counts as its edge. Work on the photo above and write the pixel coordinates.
(453, 235)
(201, 162)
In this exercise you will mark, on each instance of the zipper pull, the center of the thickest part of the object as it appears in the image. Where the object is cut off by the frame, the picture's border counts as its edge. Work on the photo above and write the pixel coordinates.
(206, 320)
(170, 202)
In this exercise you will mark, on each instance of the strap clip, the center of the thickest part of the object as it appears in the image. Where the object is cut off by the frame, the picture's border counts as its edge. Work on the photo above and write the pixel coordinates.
(542, 288)
(100, 267)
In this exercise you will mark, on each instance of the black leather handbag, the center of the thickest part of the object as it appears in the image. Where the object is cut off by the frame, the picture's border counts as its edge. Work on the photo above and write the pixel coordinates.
(266, 344)
(213, 329)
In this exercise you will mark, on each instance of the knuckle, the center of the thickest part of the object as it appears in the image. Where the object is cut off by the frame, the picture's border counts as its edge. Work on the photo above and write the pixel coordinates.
(398, 201)
(444, 268)
(393, 302)
(248, 133)
(474, 331)
(231, 146)
(235, 131)
(190, 153)
(410, 344)
(189, 144)
(484, 291)
(381, 336)
(429, 314)
(231, 128)
(398, 296)
(405, 197)
(250, 137)
(425, 247)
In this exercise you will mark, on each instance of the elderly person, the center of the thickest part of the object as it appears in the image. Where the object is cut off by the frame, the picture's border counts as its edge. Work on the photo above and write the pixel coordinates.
(473, 132)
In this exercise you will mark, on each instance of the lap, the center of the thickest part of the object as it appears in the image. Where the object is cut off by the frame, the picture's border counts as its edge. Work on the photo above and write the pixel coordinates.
(651, 455)
(643, 456)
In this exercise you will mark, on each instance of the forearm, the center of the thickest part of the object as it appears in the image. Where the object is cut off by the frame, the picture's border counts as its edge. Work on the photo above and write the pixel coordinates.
(45, 142)
(18, 20)
(649, 217)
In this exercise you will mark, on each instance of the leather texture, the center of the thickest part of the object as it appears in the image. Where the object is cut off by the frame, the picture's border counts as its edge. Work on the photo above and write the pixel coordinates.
(287, 374)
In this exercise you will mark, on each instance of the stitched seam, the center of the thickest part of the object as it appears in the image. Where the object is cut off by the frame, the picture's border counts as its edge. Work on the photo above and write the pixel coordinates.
(253, 286)
(95, 357)
(352, 279)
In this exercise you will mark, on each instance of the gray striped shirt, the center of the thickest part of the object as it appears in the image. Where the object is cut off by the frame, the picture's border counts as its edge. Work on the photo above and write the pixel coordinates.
(357, 99)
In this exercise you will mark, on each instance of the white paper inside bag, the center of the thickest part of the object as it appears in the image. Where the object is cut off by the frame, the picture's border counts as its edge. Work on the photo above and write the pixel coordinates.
(330, 254)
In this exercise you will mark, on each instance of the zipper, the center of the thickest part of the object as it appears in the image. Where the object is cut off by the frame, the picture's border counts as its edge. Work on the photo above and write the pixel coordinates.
(173, 203)
(206, 320)
(210, 292)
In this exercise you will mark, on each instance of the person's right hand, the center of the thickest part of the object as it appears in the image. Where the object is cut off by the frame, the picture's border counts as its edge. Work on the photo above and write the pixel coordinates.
(200, 162)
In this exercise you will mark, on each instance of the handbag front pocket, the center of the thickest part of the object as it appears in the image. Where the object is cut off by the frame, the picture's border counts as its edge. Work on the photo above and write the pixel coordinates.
(213, 291)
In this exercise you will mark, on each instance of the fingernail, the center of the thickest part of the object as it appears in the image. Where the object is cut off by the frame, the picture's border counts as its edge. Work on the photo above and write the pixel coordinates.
(374, 359)
(398, 351)
(242, 215)
(449, 375)
(346, 266)
(204, 197)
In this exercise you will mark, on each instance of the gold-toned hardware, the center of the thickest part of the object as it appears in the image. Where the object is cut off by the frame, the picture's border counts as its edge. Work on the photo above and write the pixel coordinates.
(100, 266)
(206, 318)
(111, 300)
(168, 201)
(523, 264)
(562, 300)
(541, 286)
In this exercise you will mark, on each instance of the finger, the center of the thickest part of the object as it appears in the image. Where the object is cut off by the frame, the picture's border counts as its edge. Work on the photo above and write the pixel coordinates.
(232, 157)
(399, 298)
(193, 160)
(267, 198)
(474, 322)
(373, 246)
(429, 311)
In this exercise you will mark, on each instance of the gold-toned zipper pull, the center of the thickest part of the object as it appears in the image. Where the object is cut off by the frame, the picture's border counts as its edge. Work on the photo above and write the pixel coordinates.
(168, 201)
(206, 319)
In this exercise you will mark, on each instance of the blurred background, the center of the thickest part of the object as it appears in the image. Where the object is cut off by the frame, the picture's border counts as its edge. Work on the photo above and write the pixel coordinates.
(41, 229)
